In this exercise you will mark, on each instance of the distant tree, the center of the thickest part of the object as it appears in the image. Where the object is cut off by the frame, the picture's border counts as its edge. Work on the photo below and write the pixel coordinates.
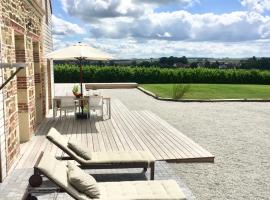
(111, 63)
(206, 64)
(214, 65)
(134, 63)
(145, 64)
(194, 65)
(183, 60)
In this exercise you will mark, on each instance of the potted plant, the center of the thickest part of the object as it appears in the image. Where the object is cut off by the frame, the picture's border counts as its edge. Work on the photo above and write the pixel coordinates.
(76, 92)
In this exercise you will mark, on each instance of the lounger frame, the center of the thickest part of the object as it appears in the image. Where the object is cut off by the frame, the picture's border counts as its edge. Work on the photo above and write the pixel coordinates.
(36, 181)
(116, 165)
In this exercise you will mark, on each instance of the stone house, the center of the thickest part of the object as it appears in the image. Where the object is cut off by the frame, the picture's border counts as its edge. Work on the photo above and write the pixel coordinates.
(25, 37)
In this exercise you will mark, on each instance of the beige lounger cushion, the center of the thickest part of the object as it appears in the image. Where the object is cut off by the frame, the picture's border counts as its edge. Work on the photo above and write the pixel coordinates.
(134, 190)
(80, 150)
(57, 172)
(165, 190)
(82, 181)
(62, 142)
(101, 157)
(121, 157)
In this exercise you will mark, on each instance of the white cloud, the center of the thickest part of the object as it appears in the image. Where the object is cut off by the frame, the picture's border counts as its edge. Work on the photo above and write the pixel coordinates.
(130, 48)
(256, 5)
(132, 28)
(94, 10)
(62, 27)
(182, 25)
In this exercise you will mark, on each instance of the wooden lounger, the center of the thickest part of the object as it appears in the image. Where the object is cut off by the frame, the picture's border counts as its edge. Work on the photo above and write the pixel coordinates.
(105, 160)
(56, 171)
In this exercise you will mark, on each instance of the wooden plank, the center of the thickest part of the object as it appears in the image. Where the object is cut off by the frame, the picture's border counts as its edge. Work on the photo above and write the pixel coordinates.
(197, 149)
(153, 143)
(140, 134)
(131, 140)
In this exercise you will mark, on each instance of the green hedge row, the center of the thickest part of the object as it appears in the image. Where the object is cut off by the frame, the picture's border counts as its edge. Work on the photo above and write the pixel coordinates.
(71, 74)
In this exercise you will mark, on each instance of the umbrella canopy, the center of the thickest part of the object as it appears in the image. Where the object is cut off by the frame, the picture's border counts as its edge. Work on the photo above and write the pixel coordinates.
(78, 51)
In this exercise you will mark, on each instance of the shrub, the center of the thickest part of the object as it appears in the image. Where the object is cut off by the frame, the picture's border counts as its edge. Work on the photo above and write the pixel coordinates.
(178, 90)
(71, 74)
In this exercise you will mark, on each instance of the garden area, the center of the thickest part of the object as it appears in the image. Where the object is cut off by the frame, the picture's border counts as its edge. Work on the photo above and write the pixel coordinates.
(199, 83)
(209, 91)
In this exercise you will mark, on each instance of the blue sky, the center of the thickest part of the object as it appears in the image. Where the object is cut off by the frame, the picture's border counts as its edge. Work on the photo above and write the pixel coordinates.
(155, 28)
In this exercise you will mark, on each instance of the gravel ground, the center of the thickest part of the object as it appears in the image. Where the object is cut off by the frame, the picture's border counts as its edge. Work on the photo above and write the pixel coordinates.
(238, 134)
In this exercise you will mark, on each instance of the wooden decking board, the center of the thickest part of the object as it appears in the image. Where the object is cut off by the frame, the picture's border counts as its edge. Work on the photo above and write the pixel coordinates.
(183, 138)
(123, 119)
(123, 132)
(168, 147)
(183, 145)
(141, 133)
(126, 130)
(174, 142)
(153, 134)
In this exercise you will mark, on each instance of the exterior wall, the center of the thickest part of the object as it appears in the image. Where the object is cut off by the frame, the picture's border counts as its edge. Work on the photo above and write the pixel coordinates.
(48, 47)
(23, 28)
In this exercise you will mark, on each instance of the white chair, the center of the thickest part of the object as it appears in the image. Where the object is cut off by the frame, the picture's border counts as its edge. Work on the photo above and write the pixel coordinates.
(95, 103)
(67, 104)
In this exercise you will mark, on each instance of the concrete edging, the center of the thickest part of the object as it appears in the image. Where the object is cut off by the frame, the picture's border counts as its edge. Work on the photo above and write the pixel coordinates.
(200, 100)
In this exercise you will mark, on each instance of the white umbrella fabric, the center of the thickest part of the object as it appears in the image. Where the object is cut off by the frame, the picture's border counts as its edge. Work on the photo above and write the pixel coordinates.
(79, 52)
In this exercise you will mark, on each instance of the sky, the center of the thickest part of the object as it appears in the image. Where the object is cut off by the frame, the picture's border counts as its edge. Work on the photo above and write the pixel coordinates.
(156, 28)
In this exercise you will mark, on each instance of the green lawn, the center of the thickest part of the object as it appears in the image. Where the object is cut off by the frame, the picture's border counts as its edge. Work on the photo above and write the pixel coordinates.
(213, 91)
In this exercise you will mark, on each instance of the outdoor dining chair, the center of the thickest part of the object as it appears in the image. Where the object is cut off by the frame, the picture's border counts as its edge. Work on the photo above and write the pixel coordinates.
(95, 103)
(67, 104)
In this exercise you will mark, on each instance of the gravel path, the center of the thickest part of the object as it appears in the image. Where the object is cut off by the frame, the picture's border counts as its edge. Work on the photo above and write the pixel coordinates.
(238, 134)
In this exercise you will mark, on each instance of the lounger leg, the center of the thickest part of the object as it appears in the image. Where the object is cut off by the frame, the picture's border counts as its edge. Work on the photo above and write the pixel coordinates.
(30, 197)
(36, 179)
(152, 166)
(144, 169)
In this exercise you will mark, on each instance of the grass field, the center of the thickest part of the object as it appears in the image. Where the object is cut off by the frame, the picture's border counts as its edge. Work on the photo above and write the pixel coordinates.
(213, 91)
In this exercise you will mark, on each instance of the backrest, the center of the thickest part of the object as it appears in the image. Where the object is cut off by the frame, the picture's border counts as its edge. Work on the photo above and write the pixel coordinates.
(67, 101)
(61, 142)
(95, 101)
(56, 171)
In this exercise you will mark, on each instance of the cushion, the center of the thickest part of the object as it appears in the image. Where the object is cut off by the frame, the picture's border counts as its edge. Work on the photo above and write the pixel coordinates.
(111, 157)
(141, 190)
(80, 150)
(57, 171)
(82, 181)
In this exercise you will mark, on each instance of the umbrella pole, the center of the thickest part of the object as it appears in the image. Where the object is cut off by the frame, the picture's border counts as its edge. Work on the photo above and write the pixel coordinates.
(81, 80)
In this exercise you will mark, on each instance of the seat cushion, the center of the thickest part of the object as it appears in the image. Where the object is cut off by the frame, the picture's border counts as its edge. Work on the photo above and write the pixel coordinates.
(80, 150)
(82, 181)
(56, 171)
(121, 157)
(141, 190)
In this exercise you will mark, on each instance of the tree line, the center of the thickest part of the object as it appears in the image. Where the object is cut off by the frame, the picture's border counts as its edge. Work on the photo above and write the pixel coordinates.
(184, 62)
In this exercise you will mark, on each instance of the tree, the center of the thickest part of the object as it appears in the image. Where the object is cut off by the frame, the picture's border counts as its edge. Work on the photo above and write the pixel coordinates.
(194, 65)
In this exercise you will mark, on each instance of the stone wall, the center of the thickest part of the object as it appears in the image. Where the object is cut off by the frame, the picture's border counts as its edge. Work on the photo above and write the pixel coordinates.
(22, 33)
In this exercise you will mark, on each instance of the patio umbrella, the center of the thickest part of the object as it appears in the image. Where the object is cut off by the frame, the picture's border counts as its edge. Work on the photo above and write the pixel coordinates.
(79, 52)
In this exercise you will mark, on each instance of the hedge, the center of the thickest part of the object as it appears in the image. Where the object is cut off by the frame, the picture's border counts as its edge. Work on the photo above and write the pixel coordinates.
(71, 74)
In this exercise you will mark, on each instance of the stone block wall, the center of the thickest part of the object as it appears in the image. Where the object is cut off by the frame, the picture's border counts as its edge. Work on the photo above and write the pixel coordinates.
(22, 40)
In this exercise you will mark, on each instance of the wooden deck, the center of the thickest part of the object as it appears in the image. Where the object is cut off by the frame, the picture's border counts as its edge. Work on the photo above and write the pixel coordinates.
(126, 130)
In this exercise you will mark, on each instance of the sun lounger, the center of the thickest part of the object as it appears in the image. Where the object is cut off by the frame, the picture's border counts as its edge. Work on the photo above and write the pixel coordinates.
(57, 172)
(105, 160)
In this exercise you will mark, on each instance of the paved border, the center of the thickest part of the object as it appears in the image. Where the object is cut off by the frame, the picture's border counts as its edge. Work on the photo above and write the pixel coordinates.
(200, 100)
